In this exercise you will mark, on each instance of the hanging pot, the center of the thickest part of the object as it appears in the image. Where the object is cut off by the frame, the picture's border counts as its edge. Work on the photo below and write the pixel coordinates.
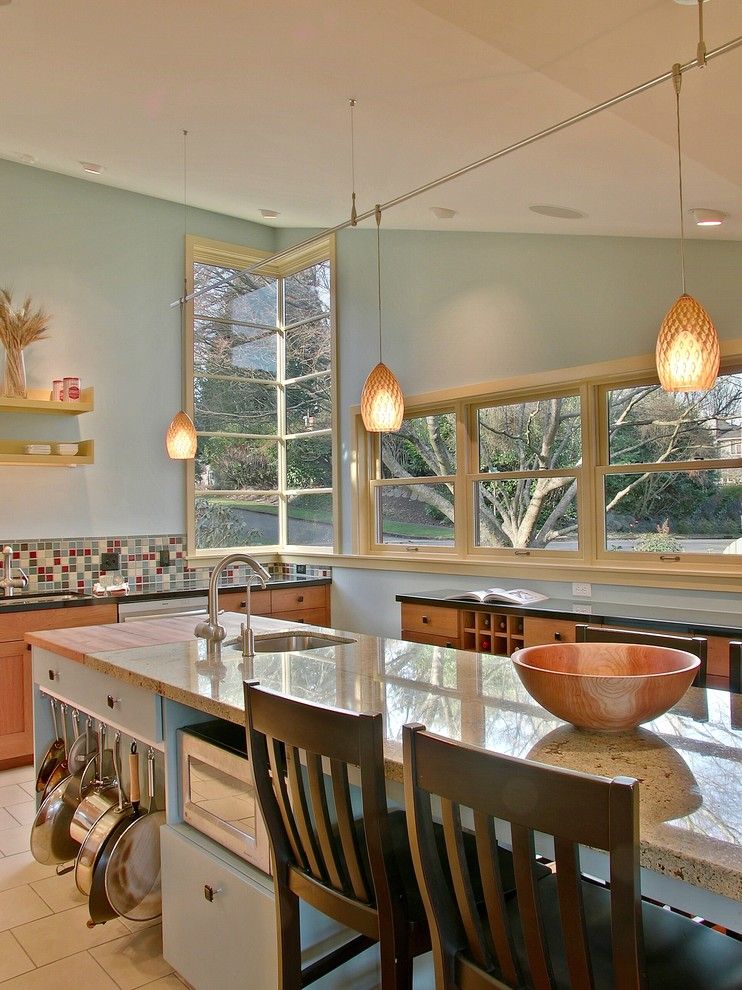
(53, 755)
(61, 770)
(83, 747)
(99, 796)
(51, 841)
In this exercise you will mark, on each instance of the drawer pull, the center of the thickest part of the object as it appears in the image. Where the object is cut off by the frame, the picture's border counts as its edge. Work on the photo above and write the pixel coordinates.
(426, 620)
(557, 636)
(53, 675)
(300, 598)
(243, 604)
(211, 892)
(112, 702)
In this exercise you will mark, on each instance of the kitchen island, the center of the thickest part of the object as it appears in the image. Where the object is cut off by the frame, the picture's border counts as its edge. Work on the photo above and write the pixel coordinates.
(688, 760)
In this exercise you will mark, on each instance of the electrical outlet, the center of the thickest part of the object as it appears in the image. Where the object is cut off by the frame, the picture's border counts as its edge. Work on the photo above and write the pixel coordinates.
(110, 561)
(301, 568)
(582, 590)
(163, 557)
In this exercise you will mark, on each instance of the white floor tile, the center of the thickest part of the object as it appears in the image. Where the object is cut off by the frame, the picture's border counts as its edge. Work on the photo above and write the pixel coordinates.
(79, 970)
(12, 794)
(6, 819)
(60, 893)
(134, 961)
(14, 840)
(19, 906)
(13, 960)
(29, 788)
(18, 775)
(62, 934)
(167, 983)
(23, 813)
(21, 868)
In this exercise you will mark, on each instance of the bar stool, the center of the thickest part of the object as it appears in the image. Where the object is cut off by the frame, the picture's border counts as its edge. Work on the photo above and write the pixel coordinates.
(562, 933)
(697, 645)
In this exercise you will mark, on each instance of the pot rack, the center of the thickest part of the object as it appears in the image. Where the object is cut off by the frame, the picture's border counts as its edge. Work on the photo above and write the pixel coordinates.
(701, 59)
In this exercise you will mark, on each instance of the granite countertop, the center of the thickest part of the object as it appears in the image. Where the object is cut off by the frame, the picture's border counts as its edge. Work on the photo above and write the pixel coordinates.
(689, 760)
(719, 623)
(71, 599)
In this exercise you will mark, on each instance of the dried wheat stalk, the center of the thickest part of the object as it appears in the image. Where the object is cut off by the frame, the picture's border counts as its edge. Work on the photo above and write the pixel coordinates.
(18, 329)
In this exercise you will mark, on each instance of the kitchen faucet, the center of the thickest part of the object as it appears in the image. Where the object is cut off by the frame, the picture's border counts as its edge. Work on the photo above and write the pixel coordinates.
(8, 582)
(212, 630)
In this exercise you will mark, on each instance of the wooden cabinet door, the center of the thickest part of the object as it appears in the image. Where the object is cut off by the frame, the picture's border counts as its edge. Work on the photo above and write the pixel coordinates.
(16, 707)
(426, 620)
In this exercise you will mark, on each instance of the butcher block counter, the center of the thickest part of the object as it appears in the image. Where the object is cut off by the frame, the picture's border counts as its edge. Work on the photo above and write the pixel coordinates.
(688, 760)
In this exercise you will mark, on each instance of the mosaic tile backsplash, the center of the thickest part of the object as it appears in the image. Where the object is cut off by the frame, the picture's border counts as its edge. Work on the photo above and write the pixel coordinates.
(57, 565)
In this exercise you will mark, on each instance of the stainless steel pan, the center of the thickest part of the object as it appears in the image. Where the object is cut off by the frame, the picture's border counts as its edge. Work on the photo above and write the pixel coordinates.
(83, 746)
(53, 755)
(61, 770)
(99, 796)
(51, 841)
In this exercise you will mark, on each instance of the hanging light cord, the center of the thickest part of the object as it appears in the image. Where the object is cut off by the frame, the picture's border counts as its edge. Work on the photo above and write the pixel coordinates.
(185, 277)
(353, 212)
(377, 214)
(677, 78)
(701, 50)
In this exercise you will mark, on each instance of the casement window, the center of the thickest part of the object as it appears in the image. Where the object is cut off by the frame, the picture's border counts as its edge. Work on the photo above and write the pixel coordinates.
(614, 474)
(261, 351)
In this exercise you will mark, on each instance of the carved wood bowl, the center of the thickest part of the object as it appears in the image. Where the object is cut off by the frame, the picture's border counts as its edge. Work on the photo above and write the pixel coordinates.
(608, 687)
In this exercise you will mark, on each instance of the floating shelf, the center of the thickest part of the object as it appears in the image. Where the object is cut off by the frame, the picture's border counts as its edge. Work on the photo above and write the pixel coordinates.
(12, 452)
(38, 401)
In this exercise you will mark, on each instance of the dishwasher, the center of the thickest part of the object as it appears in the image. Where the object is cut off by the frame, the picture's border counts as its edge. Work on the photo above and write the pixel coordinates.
(163, 607)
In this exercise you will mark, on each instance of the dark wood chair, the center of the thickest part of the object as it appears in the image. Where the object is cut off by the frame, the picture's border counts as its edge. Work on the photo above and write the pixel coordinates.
(349, 868)
(697, 645)
(735, 667)
(562, 933)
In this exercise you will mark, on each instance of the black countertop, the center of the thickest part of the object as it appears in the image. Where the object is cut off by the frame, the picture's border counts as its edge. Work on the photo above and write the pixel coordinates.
(53, 599)
(695, 621)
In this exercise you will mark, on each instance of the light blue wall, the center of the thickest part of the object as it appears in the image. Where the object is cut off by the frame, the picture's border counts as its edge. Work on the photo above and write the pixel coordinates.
(107, 264)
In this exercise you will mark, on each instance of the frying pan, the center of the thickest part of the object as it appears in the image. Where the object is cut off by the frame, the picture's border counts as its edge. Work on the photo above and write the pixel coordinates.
(61, 770)
(53, 755)
(132, 873)
(98, 797)
(51, 841)
(83, 746)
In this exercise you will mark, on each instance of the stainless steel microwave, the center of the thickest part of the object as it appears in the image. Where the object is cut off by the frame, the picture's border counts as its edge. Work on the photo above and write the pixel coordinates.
(217, 794)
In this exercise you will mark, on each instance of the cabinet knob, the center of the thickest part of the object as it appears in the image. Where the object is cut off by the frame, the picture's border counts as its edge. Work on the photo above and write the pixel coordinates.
(112, 702)
(211, 892)
(557, 636)
(426, 620)
(300, 598)
(53, 675)
(243, 604)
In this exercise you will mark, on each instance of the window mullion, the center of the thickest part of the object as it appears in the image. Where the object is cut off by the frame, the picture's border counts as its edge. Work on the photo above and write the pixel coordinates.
(282, 421)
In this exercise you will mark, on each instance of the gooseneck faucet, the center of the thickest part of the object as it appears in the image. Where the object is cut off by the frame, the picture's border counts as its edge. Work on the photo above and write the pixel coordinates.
(8, 582)
(212, 631)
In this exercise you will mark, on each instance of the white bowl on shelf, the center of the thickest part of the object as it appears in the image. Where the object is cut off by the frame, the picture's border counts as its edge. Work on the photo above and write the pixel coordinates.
(38, 448)
(66, 449)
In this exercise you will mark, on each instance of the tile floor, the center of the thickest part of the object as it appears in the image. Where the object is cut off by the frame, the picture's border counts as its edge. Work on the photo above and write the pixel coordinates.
(43, 937)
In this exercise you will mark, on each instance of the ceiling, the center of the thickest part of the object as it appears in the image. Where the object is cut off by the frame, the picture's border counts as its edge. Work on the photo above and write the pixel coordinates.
(263, 90)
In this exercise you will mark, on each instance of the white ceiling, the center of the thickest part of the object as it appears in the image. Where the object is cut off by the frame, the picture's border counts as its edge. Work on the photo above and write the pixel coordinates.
(263, 90)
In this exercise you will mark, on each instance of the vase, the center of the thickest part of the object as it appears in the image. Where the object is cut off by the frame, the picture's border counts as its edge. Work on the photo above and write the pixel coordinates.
(14, 375)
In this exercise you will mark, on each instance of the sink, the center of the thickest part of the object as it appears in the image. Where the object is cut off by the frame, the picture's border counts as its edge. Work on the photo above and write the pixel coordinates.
(44, 596)
(286, 642)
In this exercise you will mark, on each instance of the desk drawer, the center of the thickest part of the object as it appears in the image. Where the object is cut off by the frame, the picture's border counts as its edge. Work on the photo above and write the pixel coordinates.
(426, 619)
(124, 706)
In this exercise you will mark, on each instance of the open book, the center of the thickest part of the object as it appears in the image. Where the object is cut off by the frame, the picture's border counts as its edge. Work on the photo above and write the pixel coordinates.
(516, 596)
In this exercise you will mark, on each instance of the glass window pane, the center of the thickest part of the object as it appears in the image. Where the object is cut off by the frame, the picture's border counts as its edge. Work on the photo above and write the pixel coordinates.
(419, 513)
(235, 407)
(308, 349)
(309, 405)
(236, 351)
(423, 448)
(225, 464)
(235, 521)
(675, 512)
(307, 293)
(648, 425)
(530, 436)
(535, 513)
(247, 299)
(309, 462)
(310, 520)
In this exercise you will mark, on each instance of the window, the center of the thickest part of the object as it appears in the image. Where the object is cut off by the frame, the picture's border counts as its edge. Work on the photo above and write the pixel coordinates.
(263, 388)
(616, 474)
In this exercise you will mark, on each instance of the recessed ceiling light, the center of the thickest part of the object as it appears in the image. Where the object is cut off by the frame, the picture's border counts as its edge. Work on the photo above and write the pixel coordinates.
(269, 214)
(560, 212)
(442, 212)
(708, 218)
(92, 168)
(25, 158)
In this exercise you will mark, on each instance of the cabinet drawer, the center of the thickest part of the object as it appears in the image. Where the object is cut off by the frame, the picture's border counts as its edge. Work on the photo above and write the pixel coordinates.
(314, 616)
(13, 625)
(293, 599)
(424, 619)
(538, 631)
(125, 706)
(234, 601)
(239, 922)
(416, 637)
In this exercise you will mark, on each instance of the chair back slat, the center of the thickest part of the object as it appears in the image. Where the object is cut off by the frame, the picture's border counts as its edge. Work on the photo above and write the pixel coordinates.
(326, 836)
(735, 667)
(529, 908)
(302, 815)
(277, 758)
(462, 886)
(494, 896)
(627, 933)
(697, 645)
(359, 883)
(572, 913)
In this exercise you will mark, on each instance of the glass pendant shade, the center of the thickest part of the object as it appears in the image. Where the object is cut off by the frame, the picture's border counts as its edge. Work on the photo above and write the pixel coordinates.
(687, 348)
(181, 437)
(382, 402)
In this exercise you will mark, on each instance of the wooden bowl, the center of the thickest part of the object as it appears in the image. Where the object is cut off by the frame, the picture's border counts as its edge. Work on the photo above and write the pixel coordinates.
(609, 687)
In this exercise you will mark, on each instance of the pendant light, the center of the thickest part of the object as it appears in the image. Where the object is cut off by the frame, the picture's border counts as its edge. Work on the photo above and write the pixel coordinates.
(687, 353)
(180, 439)
(382, 402)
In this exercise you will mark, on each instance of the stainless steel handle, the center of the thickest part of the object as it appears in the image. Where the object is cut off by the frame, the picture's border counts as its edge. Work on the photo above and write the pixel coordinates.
(53, 674)
(112, 702)
(557, 636)
(211, 892)
(522, 553)
(300, 598)
(426, 620)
